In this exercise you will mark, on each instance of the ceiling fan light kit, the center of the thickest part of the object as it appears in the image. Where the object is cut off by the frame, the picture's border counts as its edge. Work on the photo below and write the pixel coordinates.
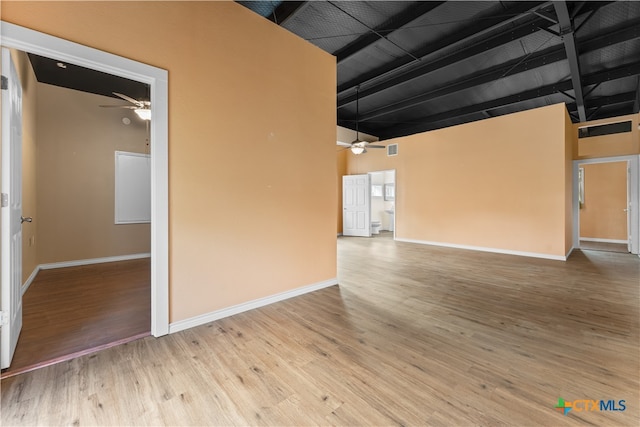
(143, 113)
(357, 149)
(141, 108)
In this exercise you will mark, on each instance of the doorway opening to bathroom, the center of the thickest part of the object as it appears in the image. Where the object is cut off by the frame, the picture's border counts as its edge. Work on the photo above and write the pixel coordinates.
(383, 203)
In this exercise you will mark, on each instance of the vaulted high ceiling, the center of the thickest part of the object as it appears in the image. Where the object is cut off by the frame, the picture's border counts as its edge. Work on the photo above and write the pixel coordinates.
(419, 66)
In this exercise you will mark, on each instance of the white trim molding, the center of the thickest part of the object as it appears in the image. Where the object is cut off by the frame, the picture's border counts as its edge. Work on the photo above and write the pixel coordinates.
(30, 279)
(249, 305)
(17, 37)
(633, 161)
(78, 262)
(89, 261)
(483, 249)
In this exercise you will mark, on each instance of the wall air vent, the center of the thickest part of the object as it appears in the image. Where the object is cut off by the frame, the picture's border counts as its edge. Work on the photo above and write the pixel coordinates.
(392, 150)
(608, 129)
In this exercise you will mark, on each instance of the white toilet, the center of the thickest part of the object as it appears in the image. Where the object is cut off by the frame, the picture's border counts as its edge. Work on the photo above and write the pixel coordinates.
(375, 227)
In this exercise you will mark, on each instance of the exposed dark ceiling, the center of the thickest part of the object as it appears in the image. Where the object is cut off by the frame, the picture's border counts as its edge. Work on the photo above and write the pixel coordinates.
(71, 76)
(426, 65)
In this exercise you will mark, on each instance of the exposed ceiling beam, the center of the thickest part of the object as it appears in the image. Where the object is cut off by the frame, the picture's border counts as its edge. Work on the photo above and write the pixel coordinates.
(569, 40)
(605, 101)
(430, 66)
(286, 11)
(524, 63)
(636, 103)
(630, 31)
(432, 47)
(388, 27)
(431, 122)
(398, 72)
(528, 62)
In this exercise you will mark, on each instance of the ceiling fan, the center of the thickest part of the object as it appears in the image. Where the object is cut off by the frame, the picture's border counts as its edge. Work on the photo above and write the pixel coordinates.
(141, 108)
(358, 146)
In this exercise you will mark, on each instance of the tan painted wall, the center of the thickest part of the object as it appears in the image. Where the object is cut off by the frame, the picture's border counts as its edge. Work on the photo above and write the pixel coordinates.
(29, 138)
(498, 183)
(76, 190)
(252, 195)
(620, 144)
(605, 197)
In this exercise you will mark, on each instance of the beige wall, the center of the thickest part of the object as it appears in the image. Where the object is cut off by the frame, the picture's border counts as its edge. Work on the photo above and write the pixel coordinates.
(619, 144)
(29, 138)
(499, 183)
(75, 174)
(602, 215)
(252, 196)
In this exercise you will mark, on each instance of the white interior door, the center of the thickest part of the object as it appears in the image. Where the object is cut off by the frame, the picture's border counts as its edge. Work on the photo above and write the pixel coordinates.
(356, 205)
(11, 223)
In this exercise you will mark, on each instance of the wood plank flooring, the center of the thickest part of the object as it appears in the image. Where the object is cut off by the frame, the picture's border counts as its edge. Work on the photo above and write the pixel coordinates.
(72, 311)
(413, 335)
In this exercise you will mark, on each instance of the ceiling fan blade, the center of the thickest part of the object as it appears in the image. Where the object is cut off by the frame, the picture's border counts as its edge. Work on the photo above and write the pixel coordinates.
(343, 144)
(131, 100)
(375, 146)
(129, 107)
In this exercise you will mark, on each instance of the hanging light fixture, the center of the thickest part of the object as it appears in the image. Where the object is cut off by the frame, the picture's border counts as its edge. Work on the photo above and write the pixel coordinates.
(357, 149)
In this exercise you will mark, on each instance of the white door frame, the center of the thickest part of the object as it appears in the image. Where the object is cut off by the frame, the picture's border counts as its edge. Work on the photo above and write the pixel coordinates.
(634, 192)
(16, 37)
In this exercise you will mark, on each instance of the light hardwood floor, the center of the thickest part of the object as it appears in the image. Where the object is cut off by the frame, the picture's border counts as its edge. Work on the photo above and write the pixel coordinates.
(413, 335)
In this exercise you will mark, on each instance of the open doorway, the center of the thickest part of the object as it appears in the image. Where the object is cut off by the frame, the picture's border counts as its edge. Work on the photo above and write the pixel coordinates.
(606, 193)
(383, 203)
(604, 206)
(70, 197)
(71, 53)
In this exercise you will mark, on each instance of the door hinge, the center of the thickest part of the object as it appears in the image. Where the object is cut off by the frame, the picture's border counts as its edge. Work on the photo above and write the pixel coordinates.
(5, 83)
(4, 318)
(4, 200)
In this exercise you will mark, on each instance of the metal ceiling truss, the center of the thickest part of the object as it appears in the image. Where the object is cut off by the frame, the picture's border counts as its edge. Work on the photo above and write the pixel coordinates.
(524, 63)
(286, 10)
(386, 29)
(431, 122)
(568, 38)
(383, 74)
(399, 75)
(636, 103)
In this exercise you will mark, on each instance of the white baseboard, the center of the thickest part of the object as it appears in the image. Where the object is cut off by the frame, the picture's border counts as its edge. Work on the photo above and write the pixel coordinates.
(29, 280)
(483, 249)
(79, 262)
(598, 240)
(75, 263)
(249, 305)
